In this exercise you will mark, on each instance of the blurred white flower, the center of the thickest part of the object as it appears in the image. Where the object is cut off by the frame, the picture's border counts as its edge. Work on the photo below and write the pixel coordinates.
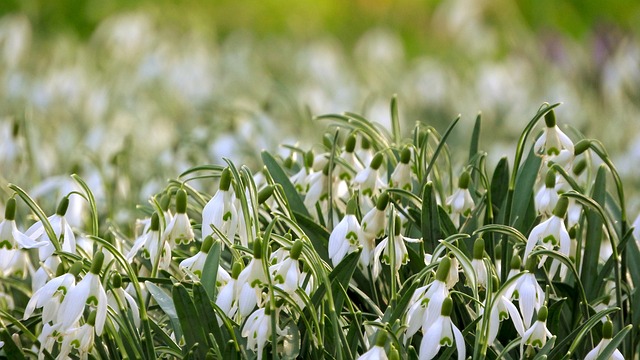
(461, 202)
(220, 212)
(179, 228)
(553, 141)
(442, 332)
(61, 229)
(607, 334)
(538, 333)
(257, 330)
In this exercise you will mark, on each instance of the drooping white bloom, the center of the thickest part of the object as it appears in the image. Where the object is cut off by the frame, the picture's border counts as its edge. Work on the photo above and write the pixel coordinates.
(61, 229)
(478, 263)
(368, 180)
(80, 338)
(383, 253)
(401, 176)
(529, 294)
(547, 197)
(350, 159)
(195, 264)
(552, 233)
(376, 352)
(553, 140)
(228, 291)
(10, 237)
(427, 300)
(286, 274)
(317, 183)
(345, 237)
(50, 296)
(461, 202)
(88, 291)
(152, 245)
(607, 333)
(442, 332)
(118, 299)
(250, 281)
(220, 212)
(538, 333)
(374, 222)
(40, 276)
(502, 310)
(47, 338)
(257, 330)
(179, 228)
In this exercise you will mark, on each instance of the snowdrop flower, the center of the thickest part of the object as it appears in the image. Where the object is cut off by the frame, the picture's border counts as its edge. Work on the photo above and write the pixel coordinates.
(152, 246)
(300, 179)
(257, 330)
(607, 334)
(88, 291)
(10, 237)
(227, 299)
(364, 150)
(552, 233)
(220, 211)
(286, 274)
(502, 309)
(427, 301)
(317, 188)
(79, 338)
(179, 228)
(553, 141)
(47, 338)
(118, 298)
(478, 263)
(461, 202)
(251, 280)
(401, 176)
(497, 252)
(377, 351)
(374, 224)
(195, 264)
(50, 296)
(345, 237)
(442, 332)
(401, 255)
(61, 229)
(368, 180)
(547, 197)
(528, 292)
(537, 334)
(43, 274)
(514, 266)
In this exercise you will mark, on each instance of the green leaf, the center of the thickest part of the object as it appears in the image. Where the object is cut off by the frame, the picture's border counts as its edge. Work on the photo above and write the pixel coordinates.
(499, 186)
(441, 144)
(579, 333)
(207, 316)
(475, 137)
(210, 269)
(523, 194)
(281, 178)
(431, 232)
(395, 120)
(11, 350)
(92, 203)
(544, 352)
(593, 237)
(190, 320)
(318, 235)
(166, 304)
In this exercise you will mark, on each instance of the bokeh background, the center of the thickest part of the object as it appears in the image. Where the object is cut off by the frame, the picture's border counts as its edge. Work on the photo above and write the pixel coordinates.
(129, 94)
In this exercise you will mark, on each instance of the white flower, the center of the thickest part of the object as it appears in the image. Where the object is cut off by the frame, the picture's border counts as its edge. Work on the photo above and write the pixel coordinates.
(150, 243)
(442, 332)
(345, 237)
(118, 298)
(401, 176)
(195, 264)
(257, 330)
(529, 294)
(553, 140)
(537, 334)
(250, 281)
(179, 228)
(547, 197)
(286, 274)
(220, 212)
(88, 291)
(461, 202)
(47, 338)
(607, 332)
(427, 300)
(300, 180)
(43, 274)
(10, 237)
(368, 180)
(317, 188)
(350, 159)
(49, 296)
(502, 310)
(61, 229)
(401, 255)
(478, 263)
(552, 233)
(79, 338)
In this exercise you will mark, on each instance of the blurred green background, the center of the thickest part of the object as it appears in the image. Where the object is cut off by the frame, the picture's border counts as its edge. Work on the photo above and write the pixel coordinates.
(132, 93)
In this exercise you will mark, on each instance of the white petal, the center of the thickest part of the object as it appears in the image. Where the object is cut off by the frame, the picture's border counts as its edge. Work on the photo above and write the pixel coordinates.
(459, 342)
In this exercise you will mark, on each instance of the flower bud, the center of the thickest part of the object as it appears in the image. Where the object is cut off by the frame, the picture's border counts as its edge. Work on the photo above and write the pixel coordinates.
(98, 259)
(443, 269)
(236, 269)
(463, 182)
(607, 329)
(561, 207)
(155, 222)
(265, 194)
(116, 281)
(308, 159)
(350, 144)
(376, 161)
(10, 210)
(225, 180)
(550, 119)
(181, 201)
(63, 206)
(257, 248)
(365, 143)
(383, 201)
(543, 313)
(516, 262)
(165, 201)
(207, 243)
(478, 249)
(447, 307)
(582, 146)
(352, 205)
(296, 250)
(381, 338)
(579, 167)
(405, 155)
(550, 179)
(76, 268)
